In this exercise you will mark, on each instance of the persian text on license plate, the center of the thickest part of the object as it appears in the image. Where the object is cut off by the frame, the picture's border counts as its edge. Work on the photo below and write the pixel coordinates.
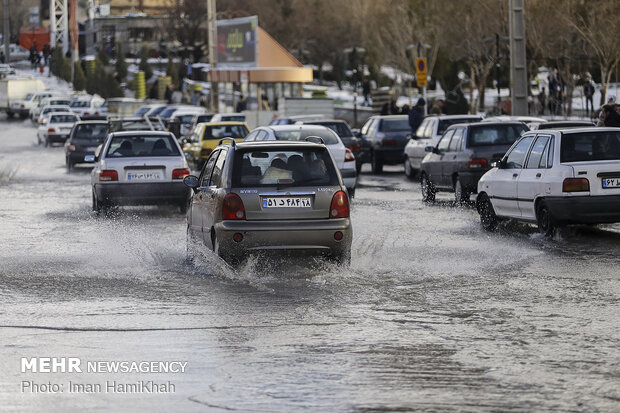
(285, 202)
(611, 182)
(145, 176)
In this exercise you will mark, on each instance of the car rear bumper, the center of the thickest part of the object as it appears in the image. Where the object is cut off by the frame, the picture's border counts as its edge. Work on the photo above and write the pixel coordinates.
(79, 157)
(57, 138)
(296, 237)
(349, 177)
(585, 209)
(142, 193)
(469, 179)
(391, 156)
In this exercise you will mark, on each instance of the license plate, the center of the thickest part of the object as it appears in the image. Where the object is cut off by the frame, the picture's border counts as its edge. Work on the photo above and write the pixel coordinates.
(611, 183)
(145, 176)
(284, 202)
(89, 158)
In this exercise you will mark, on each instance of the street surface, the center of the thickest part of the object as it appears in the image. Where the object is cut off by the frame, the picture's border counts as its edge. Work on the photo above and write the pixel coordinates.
(433, 315)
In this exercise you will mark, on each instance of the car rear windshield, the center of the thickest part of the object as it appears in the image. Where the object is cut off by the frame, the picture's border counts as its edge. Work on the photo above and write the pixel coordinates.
(203, 118)
(328, 136)
(96, 131)
(79, 104)
(395, 125)
(284, 167)
(157, 111)
(142, 145)
(63, 119)
(487, 135)
(233, 118)
(590, 146)
(142, 110)
(166, 113)
(225, 131)
(445, 123)
(341, 128)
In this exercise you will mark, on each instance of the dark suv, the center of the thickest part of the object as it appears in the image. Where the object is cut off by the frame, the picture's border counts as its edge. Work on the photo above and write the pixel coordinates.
(83, 141)
(384, 139)
(463, 154)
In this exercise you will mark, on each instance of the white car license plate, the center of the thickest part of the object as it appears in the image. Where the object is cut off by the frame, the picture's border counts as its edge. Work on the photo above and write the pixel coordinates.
(285, 202)
(611, 182)
(145, 176)
(89, 158)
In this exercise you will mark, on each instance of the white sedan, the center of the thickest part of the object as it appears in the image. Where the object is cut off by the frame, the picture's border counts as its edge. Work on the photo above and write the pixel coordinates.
(56, 127)
(139, 168)
(345, 160)
(47, 109)
(555, 178)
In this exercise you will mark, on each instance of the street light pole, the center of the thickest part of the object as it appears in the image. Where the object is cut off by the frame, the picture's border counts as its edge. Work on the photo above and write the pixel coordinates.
(7, 32)
(212, 35)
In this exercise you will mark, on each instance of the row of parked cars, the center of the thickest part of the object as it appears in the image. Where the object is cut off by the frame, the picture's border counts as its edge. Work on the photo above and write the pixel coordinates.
(527, 169)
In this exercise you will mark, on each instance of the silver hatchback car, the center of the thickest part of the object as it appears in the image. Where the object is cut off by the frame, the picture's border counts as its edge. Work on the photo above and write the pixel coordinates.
(286, 198)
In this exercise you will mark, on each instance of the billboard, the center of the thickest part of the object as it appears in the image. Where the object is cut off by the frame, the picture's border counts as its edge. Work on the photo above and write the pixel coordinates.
(237, 44)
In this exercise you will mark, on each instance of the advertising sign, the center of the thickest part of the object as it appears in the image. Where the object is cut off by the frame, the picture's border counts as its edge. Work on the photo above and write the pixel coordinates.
(33, 16)
(237, 42)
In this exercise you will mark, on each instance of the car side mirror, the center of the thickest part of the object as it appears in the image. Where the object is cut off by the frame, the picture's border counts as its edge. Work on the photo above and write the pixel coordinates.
(431, 149)
(191, 181)
(501, 164)
(356, 133)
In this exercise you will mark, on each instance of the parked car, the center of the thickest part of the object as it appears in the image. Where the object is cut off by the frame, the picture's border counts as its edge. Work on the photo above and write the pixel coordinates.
(35, 112)
(291, 120)
(89, 106)
(228, 117)
(561, 124)
(6, 70)
(345, 160)
(345, 134)
(383, 140)
(554, 178)
(428, 134)
(205, 137)
(17, 53)
(46, 110)
(139, 168)
(463, 154)
(56, 127)
(83, 141)
(264, 197)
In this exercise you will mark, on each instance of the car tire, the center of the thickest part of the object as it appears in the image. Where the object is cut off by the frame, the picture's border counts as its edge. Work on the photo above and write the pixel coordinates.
(69, 165)
(96, 204)
(183, 207)
(376, 163)
(409, 171)
(351, 192)
(10, 115)
(427, 188)
(488, 219)
(358, 167)
(461, 195)
(191, 249)
(342, 259)
(546, 222)
(46, 142)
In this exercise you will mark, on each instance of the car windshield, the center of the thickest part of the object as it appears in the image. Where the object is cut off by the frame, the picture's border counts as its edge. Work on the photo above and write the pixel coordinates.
(186, 119)
(328, 136)
(129, 146)
(28, 97)
(284, 166)
(142, 110)
(445, 123)
(395, 125)
(225, 131)
(63, 119)
(487, 135)
(590, 146)
(157, 111)
(167, 112)
(96, 131)
(203, 118)
(79, 104)
(341, 128)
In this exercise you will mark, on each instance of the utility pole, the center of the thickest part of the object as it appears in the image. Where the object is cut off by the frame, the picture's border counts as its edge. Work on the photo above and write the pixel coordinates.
(518, 67)
(59, 25)
(7, 32)
(212, 39)
(74, 37)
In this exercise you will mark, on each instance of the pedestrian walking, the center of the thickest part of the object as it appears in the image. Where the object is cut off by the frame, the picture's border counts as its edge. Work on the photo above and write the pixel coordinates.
(394, 110)
(588, 92)
(241, 105)
(2, 57)
(366, 91)
(416, 115)
(542, 99)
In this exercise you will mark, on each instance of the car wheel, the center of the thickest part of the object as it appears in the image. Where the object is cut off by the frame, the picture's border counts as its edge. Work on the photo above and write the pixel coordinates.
(351, 192)
(546, 223)
(69, 165)
(343, 259)
(96, 204)
(461, 195)
(376, 163)
(358, 167)
(409, 171)
(428, 190)
(488, 219)
(191, 249)
(183, 206)
(46, 142)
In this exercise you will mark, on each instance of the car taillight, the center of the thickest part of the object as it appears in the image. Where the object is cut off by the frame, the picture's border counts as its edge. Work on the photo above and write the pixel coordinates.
(71, 148)
(340, 206)
(348, 156)
(205, 152)
(576, 185)
(42, 121)
(86, 113)
(51, 130)
(180, 173)
(22, 106)
(388, 142)
(478, 163)
(232, 207)
(354, 147)
(108, 175)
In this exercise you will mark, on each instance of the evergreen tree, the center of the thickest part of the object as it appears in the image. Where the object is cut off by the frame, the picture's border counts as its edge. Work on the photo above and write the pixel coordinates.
(121, 64)
(103, 56)
(144, 64)
(79, 81)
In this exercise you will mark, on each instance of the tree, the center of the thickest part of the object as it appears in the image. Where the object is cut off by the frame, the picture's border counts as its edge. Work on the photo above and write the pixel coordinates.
(186, 24)
(79, 81)
(103, 56)
(121, 64)
(144, 64)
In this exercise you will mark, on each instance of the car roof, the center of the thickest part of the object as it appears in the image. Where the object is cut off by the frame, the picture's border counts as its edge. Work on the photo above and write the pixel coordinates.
(490, 123)
(278, 144)
(141, 132)
(276, 128)
(590, 129)
(465, 116)
(223, 123)
(391, 116)
(91, 122)
(319, 121)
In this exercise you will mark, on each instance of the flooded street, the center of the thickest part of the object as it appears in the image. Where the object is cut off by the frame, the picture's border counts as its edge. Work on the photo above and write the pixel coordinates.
(433, 315)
